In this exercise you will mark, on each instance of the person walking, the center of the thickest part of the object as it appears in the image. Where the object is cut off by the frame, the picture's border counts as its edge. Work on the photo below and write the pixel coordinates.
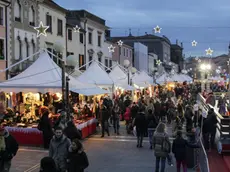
(8, 149)
(104, 120)
(59, 146)
(46, 128)
(140, 123)
(161, 146)
(116, 118)
(152, 124)
(47, 164)
(77, 158)
(71, 131)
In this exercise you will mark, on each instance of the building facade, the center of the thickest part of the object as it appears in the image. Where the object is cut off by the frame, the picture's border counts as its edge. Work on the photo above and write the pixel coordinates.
(121, 53)
(141, 57)
(92, 37)
(54, 16)
(23, 40)
(152, 65)
(177, 55)
(4, 31)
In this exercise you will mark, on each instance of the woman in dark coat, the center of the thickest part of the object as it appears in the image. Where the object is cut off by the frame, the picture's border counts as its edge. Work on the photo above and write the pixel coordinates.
(71, 131)
(77, 158)
(46, 128)
(47, 164)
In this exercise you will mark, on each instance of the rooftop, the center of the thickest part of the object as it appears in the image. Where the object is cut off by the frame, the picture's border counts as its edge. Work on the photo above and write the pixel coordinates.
(52, 4)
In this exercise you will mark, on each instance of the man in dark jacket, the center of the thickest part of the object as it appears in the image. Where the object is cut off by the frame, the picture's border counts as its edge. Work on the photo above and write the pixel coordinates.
(140, 123)
(11, 148)
(104, 120)
(152, 124)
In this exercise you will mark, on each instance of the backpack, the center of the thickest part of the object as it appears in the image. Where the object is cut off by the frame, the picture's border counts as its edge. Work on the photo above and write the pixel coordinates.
(163, 149)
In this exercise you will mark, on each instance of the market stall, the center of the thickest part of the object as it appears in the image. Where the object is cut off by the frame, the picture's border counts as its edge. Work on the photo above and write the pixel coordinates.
(39, 85)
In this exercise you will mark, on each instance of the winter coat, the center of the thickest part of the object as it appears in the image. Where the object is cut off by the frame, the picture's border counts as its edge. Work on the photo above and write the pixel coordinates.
(11, 147)
(161, 144)
(140, 122)
(127, 115)
(77, 161)
(59, 150)
(211, 100)
(45, 126)
(211, 121)
(72, 132)
(152, 121)
(134, 111)
(104, 114)
(179, 148)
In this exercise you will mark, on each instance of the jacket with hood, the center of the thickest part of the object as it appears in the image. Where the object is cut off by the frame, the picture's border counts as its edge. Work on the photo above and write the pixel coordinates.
(11, 146)
(161, 144)
(59, 150)
(77, 161)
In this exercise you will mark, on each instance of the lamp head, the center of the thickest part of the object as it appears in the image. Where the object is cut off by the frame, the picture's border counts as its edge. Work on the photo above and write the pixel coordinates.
(59, 47)
(126, 63)
(71, 60)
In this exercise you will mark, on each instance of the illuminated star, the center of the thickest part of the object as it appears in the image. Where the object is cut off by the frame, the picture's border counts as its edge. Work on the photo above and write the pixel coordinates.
(194, 43)
(76, 29)
(157, 29)
(120, 43)
(209, 51)
(158, 62)
(41, 29)
(111, 48)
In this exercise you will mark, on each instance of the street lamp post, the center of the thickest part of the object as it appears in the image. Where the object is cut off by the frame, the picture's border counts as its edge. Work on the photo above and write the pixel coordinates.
(67, 67)
(205, 68)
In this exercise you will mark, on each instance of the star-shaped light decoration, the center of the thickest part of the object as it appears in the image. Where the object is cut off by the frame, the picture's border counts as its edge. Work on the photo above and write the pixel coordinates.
(76, 29)
(217, 71)
(120, 43)
(111, 48)
(209, 51)
(158, 62)
(157, 29)
(41, 29)
(194, 43)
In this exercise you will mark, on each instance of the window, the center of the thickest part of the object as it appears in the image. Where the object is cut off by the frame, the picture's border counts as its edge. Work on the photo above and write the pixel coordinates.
(124, 51)
(60, 28)
(49, 23)
(2, 49)
(155, 62)
(90, 37)
(130, 53)
(32, 16)
(70, 34)
(106, 62)
(81, 38)
(70, 53)
(90, 60)
(99, 40)
(110, 63)
(1, 16)
(99, 59)
(27, 47)
(20, 47)
(127, 53)
(81, 60)
(18, 11)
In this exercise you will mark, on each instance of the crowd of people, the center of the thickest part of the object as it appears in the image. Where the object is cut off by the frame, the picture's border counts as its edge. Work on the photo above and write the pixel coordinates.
(147, 117)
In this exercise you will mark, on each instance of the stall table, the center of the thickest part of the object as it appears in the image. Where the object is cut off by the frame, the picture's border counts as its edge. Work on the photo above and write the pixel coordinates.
(33, 136)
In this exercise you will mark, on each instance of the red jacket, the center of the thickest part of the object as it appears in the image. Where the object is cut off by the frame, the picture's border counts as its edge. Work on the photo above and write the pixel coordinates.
(127, 115)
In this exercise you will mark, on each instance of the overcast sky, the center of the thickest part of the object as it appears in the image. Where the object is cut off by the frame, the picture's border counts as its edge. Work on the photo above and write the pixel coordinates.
(206, 21)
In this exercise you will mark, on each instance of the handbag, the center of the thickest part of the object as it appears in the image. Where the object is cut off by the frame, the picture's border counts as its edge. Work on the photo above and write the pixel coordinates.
(166, 145)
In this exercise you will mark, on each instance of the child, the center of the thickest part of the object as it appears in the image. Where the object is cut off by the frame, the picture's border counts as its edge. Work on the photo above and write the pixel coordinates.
(77, 158)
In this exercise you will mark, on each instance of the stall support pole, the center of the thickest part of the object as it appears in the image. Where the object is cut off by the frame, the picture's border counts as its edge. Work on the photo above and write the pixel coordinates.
(63, 86)
(67, 98)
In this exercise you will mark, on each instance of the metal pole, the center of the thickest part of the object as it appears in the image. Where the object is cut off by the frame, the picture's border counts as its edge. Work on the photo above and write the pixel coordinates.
(67, 98)
(128, 77)
(63, 85)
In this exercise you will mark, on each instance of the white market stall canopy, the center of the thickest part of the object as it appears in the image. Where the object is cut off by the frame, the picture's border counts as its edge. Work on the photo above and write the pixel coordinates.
(216, 78)
(163, 79)
(142, 79)
(44, 75)
(119, 77)
(185, 77)
(173, 78)
(95, 75)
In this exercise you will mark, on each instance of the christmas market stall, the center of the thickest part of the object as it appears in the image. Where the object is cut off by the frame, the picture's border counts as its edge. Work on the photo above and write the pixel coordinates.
(40, 85)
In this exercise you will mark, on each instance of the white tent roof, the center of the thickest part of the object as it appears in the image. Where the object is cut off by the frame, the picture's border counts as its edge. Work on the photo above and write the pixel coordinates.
(95, 75)
(163, 79)
(185, 78)
(142, 79)
(118, 76)
(44, 75)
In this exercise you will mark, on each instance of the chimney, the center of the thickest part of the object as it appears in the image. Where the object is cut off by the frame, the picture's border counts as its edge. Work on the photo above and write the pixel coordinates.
(181, 44)
(107, 33)
(146, 33)
(176, 41)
